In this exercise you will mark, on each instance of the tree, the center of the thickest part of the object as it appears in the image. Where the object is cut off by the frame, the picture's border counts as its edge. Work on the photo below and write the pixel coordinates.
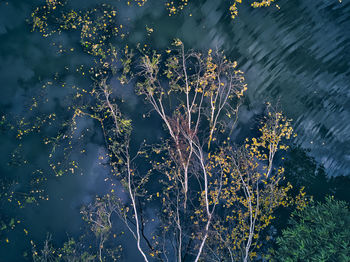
(320, 232)
(208, 87)
(214, 198)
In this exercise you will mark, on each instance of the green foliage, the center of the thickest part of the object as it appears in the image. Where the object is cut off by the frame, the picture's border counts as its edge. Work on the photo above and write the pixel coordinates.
(320, 232)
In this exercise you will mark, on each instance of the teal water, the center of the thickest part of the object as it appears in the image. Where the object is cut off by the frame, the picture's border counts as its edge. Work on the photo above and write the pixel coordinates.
(297, 56)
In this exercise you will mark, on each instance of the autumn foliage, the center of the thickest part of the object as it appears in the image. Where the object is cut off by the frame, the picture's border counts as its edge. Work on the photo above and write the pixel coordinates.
(213, 198)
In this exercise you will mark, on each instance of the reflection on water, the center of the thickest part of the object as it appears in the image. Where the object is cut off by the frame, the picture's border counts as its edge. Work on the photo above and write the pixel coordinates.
(304, 62)
(298, 55)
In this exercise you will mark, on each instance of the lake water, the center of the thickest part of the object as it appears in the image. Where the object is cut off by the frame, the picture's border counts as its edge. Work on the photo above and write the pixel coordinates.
(297, 56)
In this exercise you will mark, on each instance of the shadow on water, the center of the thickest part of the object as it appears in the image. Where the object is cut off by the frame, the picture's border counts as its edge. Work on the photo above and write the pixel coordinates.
(303, 171)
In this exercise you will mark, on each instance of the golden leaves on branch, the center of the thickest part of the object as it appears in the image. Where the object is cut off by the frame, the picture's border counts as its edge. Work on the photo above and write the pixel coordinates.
(262, 3)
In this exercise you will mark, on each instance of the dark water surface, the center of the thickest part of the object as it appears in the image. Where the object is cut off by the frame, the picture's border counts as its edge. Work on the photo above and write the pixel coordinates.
(298, 55)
